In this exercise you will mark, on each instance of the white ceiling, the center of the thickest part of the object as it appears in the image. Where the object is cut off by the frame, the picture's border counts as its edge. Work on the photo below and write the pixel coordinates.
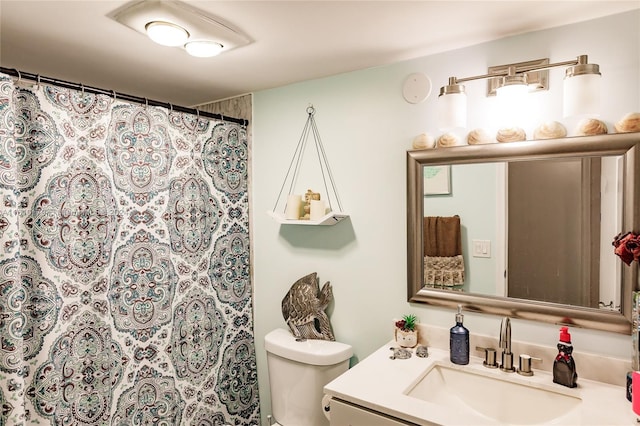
(292, 40)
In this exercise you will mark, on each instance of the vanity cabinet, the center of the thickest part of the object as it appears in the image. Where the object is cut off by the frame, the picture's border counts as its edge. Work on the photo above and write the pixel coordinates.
(346, 414)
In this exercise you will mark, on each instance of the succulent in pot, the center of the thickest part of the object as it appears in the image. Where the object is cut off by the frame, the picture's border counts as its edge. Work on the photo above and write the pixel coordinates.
(406, 334)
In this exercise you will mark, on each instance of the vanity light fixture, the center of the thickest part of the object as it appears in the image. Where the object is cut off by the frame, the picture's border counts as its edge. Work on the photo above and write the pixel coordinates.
(177, 24)
(581, 88)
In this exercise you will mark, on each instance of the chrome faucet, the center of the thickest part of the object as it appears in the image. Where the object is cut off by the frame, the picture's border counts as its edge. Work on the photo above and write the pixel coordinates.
(505, 345)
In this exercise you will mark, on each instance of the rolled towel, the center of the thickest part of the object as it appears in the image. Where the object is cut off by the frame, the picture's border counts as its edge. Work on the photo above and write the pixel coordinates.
(629, 123)
(423, 141)
(448, 139)
(479, 136)
(550, 130)
(511, 134)
(591, 126)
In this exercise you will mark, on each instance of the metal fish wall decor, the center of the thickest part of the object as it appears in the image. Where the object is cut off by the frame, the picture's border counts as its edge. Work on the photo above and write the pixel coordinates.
(303, 308)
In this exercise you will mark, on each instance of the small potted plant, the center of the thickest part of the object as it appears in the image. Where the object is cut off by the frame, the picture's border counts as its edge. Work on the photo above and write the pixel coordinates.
(406, 334)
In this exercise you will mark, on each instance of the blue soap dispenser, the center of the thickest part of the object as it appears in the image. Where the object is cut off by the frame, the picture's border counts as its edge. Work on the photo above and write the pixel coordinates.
(459, 341)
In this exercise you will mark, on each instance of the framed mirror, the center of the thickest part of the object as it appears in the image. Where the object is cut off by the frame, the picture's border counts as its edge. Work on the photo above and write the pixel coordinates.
(533, 225)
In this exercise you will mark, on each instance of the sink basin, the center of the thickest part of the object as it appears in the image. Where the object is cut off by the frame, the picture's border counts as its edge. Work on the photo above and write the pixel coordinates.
(501, 397)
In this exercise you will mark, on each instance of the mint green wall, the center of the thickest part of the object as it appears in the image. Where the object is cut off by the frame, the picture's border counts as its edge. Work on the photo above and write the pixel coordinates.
(473, 198)
(366, 128)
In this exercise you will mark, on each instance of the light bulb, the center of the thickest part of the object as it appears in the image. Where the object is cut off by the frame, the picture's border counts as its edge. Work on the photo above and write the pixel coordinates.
(203, 49)
(166, 33)
(512, 98)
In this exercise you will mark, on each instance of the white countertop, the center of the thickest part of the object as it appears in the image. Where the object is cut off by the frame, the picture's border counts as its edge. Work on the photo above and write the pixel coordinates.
(380, 383)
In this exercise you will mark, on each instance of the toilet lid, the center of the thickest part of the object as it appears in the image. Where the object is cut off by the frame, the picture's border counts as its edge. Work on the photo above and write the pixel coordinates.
(313, 352)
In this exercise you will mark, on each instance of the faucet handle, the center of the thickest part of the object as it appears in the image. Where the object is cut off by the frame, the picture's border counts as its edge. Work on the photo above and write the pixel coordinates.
(489, 357)
(525, 364)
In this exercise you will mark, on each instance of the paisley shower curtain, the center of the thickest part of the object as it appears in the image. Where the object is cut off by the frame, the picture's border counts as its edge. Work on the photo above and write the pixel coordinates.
(124, 264)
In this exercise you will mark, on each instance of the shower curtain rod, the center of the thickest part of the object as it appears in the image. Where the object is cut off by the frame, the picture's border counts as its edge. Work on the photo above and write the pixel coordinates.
(117, 95)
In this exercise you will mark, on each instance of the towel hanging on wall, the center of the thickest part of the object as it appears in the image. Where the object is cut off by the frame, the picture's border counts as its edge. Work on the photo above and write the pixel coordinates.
(443, 260)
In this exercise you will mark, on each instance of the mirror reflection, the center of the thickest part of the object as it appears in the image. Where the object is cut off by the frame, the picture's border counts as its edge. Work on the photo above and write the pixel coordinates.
(536, 230)
(525, 229)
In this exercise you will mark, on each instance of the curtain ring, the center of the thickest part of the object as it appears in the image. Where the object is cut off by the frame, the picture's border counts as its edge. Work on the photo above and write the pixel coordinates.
(113, 93)
(38, 81)
(170, 107)
(82, 89)
(146, 103)
(19, 76)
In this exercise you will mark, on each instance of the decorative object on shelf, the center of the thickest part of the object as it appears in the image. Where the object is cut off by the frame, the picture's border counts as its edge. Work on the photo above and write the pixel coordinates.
(287, 214)
(478, 137)
(422, 351)
(400, 353)
(317, 209)
(293, 210)
(627, 247)
(448, 139)
(590, 127)
(303, 309)
(511, 134)
(406, 334)
(629, 123)
(309, 197)
(581, 89)
(550, 130)
(423, 141)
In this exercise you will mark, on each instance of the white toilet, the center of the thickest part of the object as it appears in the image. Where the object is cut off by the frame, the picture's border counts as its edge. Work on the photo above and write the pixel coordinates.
(298, 372)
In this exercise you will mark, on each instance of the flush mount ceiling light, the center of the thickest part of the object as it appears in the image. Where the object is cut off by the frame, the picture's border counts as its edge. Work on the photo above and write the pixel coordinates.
(166, 33)
(202, 30)
(581, 88)
(203, 49)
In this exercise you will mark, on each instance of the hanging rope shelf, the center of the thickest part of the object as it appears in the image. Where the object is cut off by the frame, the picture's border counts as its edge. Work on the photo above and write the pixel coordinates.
(308, 208)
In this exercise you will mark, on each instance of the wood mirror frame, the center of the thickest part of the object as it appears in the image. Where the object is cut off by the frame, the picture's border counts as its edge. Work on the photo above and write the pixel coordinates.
(625, 144)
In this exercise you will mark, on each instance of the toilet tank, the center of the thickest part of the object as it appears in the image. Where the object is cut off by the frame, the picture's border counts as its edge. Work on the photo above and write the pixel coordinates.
(298, 372)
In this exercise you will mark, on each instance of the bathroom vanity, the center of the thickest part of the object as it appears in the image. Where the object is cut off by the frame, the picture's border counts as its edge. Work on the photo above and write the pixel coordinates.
(381, 391)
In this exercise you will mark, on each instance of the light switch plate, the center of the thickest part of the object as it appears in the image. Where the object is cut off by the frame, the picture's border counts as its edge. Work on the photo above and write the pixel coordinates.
(481, 248)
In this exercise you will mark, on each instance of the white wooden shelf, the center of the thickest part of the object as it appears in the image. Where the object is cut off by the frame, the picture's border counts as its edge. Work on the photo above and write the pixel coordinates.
(329, 219)
(291, 178)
